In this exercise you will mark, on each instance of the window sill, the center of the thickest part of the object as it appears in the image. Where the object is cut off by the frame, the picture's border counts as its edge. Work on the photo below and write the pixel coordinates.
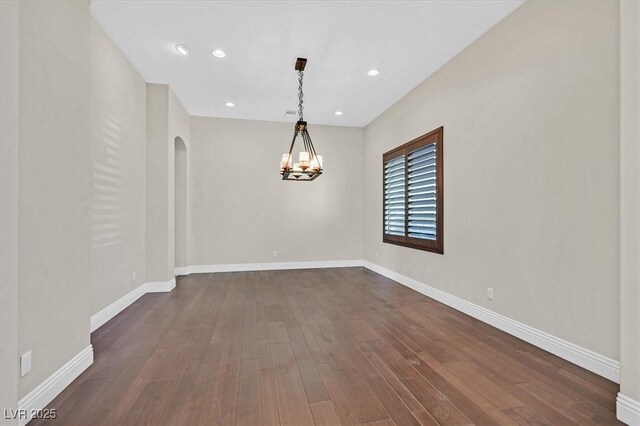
(431, 248)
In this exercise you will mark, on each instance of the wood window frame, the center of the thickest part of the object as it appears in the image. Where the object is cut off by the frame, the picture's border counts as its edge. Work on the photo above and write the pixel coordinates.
(435, 246)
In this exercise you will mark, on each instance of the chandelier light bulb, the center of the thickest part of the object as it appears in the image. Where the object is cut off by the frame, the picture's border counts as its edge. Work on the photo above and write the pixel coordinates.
(285, 163)
(304, 158)
(297, 171)
(315, 164)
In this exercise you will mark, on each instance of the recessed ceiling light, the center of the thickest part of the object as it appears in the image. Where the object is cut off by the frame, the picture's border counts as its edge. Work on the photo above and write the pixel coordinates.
(230, 104)
(337, 113)
(182, 49)
(218, 53)
(373, 72)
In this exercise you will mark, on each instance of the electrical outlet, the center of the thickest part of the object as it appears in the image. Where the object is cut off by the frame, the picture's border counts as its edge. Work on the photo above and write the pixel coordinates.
(25, 364)
(275, 253)
(133, 276)
(489, 293)
(376, 255)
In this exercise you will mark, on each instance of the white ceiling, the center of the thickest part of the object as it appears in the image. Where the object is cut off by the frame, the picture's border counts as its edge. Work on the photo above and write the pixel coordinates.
(406, 40)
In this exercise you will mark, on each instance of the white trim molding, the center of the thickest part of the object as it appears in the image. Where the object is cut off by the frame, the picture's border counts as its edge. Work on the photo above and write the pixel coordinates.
(628, 410)
(99, 319)
(181, 270)
(274, 266)
(585, 358)
(161, 287)
(46, 391)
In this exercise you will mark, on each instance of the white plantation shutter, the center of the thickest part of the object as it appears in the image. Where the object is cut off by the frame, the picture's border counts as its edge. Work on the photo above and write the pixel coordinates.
(394, 196)
(421, 203)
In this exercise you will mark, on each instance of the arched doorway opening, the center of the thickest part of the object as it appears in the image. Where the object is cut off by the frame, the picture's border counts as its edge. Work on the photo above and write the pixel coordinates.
(180, 204)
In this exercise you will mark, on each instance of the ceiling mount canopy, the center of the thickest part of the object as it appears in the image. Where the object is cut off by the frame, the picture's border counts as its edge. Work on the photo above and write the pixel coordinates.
(309, 165)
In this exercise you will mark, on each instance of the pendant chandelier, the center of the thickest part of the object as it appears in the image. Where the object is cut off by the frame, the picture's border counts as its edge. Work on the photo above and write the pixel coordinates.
(309, 165)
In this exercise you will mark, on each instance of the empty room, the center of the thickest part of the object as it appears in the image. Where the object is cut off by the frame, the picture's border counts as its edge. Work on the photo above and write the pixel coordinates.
(320, 212)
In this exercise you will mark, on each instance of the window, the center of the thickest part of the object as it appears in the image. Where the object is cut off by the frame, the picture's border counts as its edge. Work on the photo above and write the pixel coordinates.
(413, 194)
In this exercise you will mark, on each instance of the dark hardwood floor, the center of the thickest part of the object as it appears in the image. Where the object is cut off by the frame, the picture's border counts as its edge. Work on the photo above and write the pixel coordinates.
(329, 346)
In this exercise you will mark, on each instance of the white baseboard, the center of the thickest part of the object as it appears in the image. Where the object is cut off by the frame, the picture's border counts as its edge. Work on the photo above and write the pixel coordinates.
(99, 319)
(241, 267)
(628, 410)
(181, 270)
(46, 391)
(585, 358)
(161, 287)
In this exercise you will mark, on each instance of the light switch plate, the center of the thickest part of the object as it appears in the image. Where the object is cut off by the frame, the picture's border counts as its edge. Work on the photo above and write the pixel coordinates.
(25, 363)
(489, 293)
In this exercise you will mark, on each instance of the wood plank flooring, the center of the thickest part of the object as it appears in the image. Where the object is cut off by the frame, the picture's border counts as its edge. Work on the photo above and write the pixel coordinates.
(326, 347)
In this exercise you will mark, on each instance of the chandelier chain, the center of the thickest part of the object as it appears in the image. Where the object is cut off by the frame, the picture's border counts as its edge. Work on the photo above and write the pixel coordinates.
(300, 95)
(309, 166)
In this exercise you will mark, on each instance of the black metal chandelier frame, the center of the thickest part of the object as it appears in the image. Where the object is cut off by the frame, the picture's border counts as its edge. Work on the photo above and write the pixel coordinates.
(313, 168)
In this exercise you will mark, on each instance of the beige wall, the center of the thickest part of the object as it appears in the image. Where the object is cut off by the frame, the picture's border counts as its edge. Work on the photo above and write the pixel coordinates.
(630, 200)
(241, 211)
(530, 114)
(166, 120)
(54, 185)
(9, 130)
(157, 197)
(118, 117)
